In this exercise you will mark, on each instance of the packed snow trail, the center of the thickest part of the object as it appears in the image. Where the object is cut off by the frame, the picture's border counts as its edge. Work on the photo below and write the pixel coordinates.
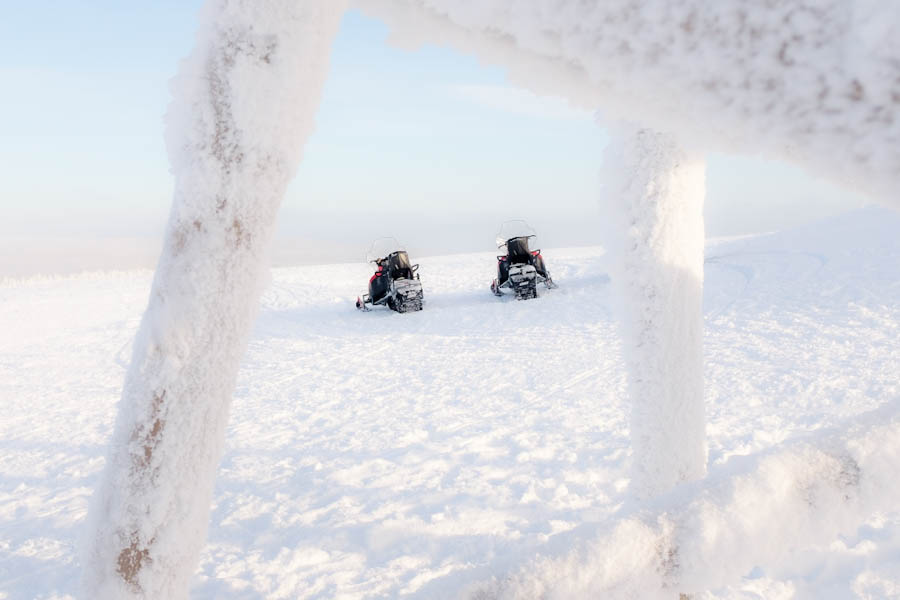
(376, 455)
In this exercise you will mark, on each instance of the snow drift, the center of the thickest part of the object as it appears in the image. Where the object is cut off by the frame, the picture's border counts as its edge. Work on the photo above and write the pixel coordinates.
(757, 512)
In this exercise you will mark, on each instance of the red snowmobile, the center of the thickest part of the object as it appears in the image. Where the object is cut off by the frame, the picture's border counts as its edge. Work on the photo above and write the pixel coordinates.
(520, 268)
(395, 283)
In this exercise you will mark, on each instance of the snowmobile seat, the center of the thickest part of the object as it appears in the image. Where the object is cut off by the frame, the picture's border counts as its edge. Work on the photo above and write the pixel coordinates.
(517, 250)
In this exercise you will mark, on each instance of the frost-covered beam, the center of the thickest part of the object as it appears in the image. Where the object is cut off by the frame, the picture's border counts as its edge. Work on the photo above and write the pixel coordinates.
(816, 82)
(243, 105)
(760, 512)
(654, 191)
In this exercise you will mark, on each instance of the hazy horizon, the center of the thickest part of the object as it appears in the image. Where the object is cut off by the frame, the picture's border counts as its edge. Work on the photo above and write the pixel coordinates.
(429, 146)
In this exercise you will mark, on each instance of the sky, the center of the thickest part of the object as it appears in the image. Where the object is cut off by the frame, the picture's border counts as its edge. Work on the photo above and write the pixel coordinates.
(429, 146)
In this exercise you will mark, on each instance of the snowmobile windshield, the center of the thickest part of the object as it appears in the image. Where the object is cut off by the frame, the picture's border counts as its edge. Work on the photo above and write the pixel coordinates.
(382, 248)
(517, 229)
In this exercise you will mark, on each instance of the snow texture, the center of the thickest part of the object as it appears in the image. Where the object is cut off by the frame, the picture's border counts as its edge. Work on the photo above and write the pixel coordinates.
(654, 191)
(816, 82)
(243, 106)
(710, 535)
(381, 455)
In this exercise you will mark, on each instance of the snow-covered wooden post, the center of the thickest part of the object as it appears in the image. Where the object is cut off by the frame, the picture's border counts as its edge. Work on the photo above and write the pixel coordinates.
(244, 103)
(655, 190)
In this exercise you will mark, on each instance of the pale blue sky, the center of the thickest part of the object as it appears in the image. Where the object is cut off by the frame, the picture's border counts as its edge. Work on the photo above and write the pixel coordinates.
(429, 142)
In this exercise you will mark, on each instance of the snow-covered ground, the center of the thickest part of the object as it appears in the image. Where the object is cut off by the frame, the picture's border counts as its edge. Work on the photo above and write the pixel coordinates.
(375, 455)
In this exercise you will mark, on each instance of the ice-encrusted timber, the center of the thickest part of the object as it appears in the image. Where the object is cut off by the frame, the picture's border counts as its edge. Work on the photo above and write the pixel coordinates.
(243, 106)
(653, 200)
(815, 82)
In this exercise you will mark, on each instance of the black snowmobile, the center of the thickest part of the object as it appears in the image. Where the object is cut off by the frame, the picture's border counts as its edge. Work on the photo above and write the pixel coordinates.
(395, 283)
(520, 269)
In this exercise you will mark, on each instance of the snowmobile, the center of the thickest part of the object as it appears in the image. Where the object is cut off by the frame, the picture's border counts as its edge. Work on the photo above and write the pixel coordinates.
(520, 269)
(395, 283)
